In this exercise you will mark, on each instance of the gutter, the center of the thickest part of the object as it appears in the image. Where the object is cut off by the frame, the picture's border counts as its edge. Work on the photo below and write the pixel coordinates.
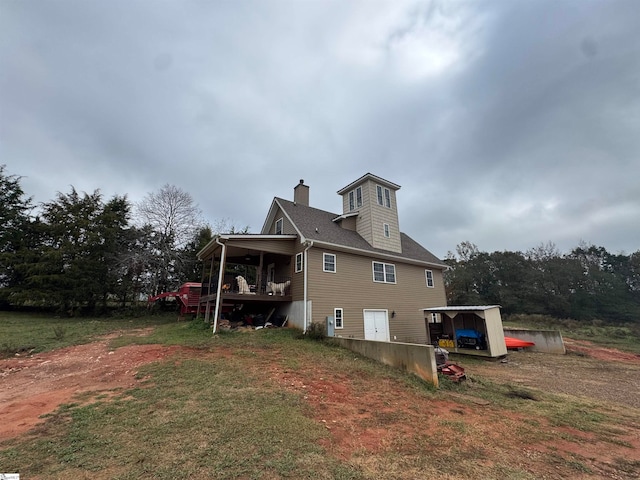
(223, 259)
(375, 253)
(309, 244)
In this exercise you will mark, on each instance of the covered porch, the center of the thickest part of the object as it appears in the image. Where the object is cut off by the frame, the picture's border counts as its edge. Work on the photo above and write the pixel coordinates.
(250, 270)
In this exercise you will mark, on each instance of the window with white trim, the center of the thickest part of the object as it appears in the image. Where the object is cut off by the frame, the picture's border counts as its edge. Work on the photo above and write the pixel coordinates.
(384, 272)
(299, 262)
(429, 275)
(279, 225)
(338, 317)
(355, 198)
(387, 231)
(329, 262)
(384, 196)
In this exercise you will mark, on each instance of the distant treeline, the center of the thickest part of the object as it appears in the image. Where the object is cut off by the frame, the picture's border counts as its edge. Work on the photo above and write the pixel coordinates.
(585, 284)
(80, 252)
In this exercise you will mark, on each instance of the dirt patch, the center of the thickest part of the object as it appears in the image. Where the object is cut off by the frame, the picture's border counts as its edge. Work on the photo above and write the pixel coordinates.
(36, 385)
(589, 349)
(587, 371)
(364, 417)
(372, 417)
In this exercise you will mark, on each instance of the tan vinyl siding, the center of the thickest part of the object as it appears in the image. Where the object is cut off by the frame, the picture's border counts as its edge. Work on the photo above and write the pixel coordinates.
(349, 223)
(380, 215)
(297, 279)
(352, 288)
(287, 227)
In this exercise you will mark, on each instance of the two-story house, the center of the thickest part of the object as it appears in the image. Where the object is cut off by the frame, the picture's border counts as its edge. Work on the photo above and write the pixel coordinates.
(356, 266)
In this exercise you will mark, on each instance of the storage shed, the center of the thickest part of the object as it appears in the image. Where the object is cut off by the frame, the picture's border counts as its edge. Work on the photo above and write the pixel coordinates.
(472, 330)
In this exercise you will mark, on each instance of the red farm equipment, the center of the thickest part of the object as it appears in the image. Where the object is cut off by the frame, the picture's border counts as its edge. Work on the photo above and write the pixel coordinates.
(188, 297)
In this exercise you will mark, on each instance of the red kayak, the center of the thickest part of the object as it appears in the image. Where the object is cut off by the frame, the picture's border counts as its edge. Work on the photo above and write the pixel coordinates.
(517, 343)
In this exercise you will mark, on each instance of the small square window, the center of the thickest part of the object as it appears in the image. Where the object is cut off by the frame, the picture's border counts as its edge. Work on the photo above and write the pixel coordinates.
(329, 262)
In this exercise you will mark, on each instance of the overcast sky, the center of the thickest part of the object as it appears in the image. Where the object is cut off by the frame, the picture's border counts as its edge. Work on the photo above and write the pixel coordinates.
(507, 124)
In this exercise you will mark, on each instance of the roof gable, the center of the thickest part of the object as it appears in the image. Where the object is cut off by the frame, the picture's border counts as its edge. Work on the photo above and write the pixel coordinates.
(319, 226)
(373, 178)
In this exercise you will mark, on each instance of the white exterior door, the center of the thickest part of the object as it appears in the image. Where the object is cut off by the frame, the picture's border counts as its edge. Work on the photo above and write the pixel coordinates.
(376, 325)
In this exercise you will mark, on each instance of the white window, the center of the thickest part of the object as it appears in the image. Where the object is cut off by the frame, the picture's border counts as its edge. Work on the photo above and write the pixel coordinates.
(387, 232)
(337, 315)
(298, 262)
(384, 272)
(429, 275)
(435, 318)
(355, 198)
(329, 262)
(384, 196)
(279, 224)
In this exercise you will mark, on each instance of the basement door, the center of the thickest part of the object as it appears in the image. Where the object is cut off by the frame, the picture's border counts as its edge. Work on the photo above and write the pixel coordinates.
(376, 325)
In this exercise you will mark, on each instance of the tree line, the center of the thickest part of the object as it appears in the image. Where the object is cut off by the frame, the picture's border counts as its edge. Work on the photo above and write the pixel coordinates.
(585, 284)
(81, 251)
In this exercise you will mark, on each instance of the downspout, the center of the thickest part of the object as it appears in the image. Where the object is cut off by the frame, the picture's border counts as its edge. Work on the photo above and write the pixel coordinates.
(223, 259)
(309, 244)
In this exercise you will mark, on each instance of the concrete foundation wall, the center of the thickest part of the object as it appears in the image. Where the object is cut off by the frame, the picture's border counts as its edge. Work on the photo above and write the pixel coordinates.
(295, 312)
(417, 359)
(546, 341)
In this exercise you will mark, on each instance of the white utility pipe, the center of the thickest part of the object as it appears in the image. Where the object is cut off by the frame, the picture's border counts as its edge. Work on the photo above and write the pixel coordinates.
(304, 259)
(223, 259)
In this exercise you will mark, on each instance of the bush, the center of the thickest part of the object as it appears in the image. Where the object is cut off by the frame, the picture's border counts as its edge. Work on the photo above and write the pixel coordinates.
(316, 331)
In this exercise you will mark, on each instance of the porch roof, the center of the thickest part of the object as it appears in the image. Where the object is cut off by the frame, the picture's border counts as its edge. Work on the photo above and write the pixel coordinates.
(242, 244)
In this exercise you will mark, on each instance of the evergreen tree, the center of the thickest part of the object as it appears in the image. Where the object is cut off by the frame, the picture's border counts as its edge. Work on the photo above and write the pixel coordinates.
(14, 221)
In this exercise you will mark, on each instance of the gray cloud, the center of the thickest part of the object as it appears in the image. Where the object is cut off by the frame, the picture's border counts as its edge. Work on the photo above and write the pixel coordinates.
(507, 124)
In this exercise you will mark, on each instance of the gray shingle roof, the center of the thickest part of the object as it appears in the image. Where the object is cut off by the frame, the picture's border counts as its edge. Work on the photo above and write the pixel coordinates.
(318, 225)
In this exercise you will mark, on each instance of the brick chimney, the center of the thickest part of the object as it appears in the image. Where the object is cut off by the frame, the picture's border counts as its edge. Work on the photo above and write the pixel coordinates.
(301, 194)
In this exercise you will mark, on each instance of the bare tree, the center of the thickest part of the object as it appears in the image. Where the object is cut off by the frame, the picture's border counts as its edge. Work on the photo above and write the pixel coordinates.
(175, 219)
(172, 213)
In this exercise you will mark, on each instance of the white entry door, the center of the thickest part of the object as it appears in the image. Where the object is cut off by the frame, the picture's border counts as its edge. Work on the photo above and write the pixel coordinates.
(376, 325)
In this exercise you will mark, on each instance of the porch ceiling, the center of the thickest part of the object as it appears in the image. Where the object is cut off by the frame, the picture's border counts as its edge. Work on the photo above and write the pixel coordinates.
(239, 246)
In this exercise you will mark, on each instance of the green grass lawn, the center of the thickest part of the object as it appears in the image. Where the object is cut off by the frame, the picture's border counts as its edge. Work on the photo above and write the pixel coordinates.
(206, 415)
(24, 333)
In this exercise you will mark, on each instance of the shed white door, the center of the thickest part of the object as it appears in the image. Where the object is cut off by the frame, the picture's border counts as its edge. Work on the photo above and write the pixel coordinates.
(376, 325)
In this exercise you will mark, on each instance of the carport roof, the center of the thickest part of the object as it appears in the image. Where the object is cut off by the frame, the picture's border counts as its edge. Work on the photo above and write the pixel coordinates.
(460, 308)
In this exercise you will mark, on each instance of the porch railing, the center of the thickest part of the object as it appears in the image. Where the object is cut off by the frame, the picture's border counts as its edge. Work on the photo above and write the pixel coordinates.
(230, 285)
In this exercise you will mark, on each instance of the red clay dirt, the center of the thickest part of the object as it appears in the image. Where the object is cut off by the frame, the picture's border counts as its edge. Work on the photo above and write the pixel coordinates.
(362, 417)
(36, 385)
